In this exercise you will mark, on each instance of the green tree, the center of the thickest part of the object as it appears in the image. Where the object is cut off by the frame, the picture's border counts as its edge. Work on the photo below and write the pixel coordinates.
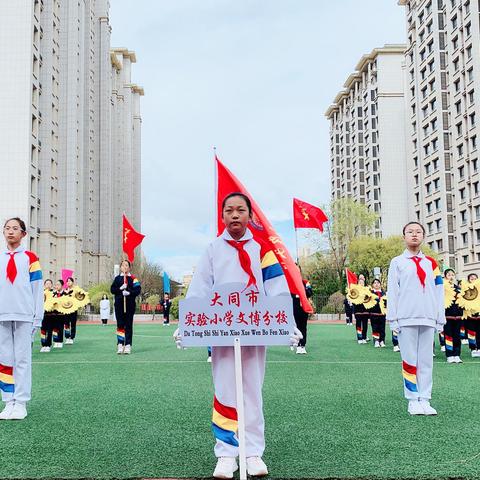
(365, 253)
(347, 220)
(153, 301)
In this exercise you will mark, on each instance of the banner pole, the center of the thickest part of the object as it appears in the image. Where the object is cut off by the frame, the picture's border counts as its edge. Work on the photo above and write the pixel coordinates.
(240, 409)
(296, 244)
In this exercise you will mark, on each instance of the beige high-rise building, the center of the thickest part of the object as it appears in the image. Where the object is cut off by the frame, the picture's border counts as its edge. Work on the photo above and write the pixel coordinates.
(442, 69)
(367, 138)
(69, 133)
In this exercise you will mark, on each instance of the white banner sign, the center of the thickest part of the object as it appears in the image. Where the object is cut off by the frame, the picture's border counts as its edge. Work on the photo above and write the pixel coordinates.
(230, 312)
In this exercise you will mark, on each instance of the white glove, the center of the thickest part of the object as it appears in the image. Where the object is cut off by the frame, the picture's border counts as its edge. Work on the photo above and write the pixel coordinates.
(394, 326)
(124, 286)
(34, 331)
(296, 337)
(439, 327)
(177, 338)
(125, 293)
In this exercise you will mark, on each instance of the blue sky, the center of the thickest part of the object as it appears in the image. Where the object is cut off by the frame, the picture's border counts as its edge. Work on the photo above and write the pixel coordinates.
(253, 78)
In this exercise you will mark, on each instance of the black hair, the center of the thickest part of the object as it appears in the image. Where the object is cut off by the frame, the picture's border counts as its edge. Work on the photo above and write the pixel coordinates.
(448, 270)
(376, 280)
(238, 194)
(20, 222)
(128, 261)
(48, 280)
(61, 282)
(414, 223)
(71, 278)
(470, 274)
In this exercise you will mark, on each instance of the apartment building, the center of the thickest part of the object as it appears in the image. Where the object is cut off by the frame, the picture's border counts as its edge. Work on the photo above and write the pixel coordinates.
(442, 68)
(367, 138)
(70, 124)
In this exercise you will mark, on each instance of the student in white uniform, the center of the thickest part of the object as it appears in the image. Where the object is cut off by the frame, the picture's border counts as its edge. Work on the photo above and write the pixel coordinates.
(416, 310)
(21, 313)
(235, 257)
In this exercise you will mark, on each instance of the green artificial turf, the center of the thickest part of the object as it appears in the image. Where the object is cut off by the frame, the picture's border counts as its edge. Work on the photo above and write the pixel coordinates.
(337, 412)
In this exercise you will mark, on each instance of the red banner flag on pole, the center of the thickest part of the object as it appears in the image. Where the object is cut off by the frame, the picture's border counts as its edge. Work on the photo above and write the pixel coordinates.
(131, 239)
(262, 231)
(308, 216)
(351, 277)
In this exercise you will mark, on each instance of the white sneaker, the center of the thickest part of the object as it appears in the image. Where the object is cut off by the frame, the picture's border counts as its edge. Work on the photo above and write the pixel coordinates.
(442, 348)
(451, 360)
(427, 408)
(209, 359)
(298, 351)
(367, 340)
(7, 411)
(304, 351)
(45, 350)
(19, 411)
(415, 408)
(256, 467)
(396, 348)
(359, 342)
(226, 467)
(382, 345)
(464, 341)
(458, 360)
(476, 353)
(57, 345)
(127, 350)
(119, 349)
(377, 344)
(69, 341)
(292, 348)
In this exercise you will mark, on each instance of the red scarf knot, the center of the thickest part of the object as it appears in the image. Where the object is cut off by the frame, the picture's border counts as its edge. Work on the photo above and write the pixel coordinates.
(244, 259)
(420, 271)
(11, 267)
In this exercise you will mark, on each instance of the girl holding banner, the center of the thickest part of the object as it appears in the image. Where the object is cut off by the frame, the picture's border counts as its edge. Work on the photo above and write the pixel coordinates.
(235, 257)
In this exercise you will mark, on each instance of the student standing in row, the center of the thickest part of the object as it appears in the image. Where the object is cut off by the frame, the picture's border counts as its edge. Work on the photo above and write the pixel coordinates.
(453, 316)
(166, 305)
(377, 317)
(104, 309)
(361, 316)
(70, 319)
(415, 311)
(473, 326)
(21, 313)
(126, 288)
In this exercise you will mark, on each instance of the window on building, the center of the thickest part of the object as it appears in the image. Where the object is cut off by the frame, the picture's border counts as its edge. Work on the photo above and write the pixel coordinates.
(423, 73)
(471, 97)
(428, 188)
(433, 104)
(461, 193)
(424, 92)
(455, 43)
(440, 245)
(463, 216)
(474, 164)
(458, 107)
(425, 131)
(433, 124)
(477, 212)
(438, 224)
(435, 144)
(475, 189)
(469, 52)
(456, 64)
(467, 7)
(472, 119)
(473, 142)
(460, 150)
(465, 259)
(461, 171)
(437, 204)
(430, 46)
(417, 197)
(454, 22)
(426, 149)
(435, 164)
(459, 128)
(430, 227)
(427, 169)
(468, 29)
(477, 235)
(432, 85)
(436, 184)
(456, 85)
(431, 66)
(465, 239)
(470, 74)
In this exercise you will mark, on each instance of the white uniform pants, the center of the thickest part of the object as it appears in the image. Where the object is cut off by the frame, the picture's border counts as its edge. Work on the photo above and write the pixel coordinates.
(416, 348)
(253, 373)
(16, 352)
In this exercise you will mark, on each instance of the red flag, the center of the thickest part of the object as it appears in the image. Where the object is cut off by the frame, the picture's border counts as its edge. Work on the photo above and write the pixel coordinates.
(307, 216)
(351, 277)
(262, 231)
(131, 239)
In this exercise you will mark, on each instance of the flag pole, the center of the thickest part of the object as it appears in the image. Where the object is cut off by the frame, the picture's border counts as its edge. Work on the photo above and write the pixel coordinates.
(296, 245)
(240, 409)
(215, 189)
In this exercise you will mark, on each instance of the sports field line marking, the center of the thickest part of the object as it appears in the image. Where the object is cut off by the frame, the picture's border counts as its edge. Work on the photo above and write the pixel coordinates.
(319, 362)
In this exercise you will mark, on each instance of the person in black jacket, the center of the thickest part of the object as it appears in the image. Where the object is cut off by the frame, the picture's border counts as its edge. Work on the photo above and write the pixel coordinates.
(126, 288)
(166, 304)
(453, 315)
